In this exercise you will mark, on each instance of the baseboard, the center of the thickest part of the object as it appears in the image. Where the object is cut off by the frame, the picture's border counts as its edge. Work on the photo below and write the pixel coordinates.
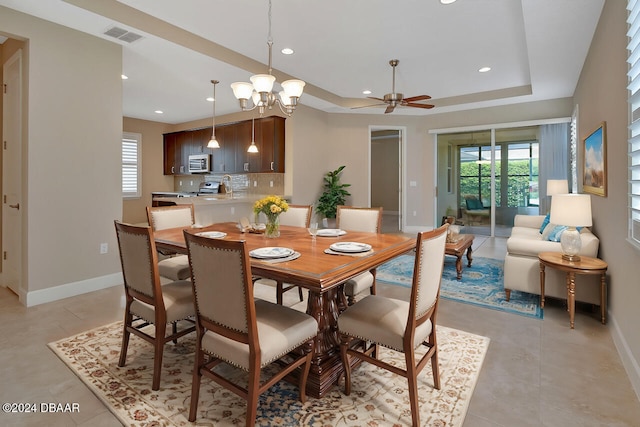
(70, 289)
(628, 359)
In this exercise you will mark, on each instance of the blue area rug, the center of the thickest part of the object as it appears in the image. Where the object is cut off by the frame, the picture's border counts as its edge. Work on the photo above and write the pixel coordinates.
(482, 284)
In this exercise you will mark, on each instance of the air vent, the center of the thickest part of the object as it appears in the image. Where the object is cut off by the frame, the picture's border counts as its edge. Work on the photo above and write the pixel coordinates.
(122, 34)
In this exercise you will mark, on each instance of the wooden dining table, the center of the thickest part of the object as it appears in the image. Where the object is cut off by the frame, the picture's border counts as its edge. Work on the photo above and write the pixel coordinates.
(321, 273)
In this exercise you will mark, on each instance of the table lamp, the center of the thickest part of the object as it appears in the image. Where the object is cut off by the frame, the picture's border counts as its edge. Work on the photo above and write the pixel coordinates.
(557, 186)
(571, 210)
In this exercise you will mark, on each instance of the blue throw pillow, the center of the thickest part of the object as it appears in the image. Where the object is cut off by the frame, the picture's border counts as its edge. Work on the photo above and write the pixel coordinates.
(555, 234)
(544, 223)
(474, 204)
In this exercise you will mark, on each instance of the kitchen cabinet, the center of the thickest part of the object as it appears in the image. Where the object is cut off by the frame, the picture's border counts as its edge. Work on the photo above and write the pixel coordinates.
(232, 156)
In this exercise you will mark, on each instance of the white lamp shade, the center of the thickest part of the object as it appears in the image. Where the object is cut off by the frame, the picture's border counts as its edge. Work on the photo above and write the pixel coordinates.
(557, 186)
(293, 88)
(242, 90)
(256, 98)
(286, 100)
(263, 82)
(253, 148)
(573, 210)
(213, 143)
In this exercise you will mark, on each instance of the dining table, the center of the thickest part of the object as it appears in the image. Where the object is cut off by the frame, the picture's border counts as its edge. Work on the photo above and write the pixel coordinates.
(317, 268)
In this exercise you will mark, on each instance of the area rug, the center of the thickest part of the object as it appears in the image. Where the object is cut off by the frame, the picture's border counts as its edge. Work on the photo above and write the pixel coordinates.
(482, 284)
(378, 398)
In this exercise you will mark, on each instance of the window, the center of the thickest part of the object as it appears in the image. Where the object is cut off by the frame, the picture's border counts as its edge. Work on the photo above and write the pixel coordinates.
(131, 165)
(633, 6)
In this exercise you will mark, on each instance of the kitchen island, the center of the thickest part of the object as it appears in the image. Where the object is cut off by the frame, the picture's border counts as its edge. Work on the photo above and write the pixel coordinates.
(213, 208)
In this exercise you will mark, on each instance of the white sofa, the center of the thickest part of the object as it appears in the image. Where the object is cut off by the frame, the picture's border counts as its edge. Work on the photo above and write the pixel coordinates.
(522, 268)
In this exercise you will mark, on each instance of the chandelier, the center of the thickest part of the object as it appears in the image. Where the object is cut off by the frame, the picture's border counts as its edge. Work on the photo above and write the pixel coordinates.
(261, 86)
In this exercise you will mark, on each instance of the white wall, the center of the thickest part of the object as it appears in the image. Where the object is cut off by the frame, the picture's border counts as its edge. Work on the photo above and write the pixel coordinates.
(72, 157)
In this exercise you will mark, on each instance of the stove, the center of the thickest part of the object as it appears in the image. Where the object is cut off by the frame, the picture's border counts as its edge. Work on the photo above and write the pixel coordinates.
(209, 187)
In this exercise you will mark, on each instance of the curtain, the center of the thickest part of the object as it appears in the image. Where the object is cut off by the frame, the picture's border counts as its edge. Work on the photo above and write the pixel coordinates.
(554, 158)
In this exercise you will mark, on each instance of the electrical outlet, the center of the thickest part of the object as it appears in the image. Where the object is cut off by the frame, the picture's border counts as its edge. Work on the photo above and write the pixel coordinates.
(104, 248)
(270, 183)
(190, 182)
(414, 213)
(255, 183)
(233, 210)
(180, 183)
(413, 184)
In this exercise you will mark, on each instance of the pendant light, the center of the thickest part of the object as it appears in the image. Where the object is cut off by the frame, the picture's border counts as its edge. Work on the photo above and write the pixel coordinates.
(213, 143)
(253, 148)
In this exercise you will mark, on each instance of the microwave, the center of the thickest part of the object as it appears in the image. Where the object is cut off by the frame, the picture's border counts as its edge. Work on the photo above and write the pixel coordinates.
(199, 163)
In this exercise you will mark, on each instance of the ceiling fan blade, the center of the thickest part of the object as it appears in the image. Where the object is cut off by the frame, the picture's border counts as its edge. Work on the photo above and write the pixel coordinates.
(412, 104)
(389, 109)
(367, 106)
(417, 98)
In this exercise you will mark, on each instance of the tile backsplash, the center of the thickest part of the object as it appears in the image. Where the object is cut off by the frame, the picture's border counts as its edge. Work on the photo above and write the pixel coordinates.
(249, 183)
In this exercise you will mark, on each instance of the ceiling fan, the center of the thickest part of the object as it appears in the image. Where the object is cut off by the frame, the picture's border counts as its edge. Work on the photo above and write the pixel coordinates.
(393, 99)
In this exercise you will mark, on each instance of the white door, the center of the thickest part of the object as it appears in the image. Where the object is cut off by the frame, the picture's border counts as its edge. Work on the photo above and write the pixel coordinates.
(12, 207)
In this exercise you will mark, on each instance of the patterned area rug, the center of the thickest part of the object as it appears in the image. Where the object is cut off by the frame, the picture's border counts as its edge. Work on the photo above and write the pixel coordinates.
(482, 284)
(378, 398)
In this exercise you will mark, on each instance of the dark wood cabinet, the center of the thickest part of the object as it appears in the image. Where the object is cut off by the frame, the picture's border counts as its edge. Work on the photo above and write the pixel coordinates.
(234, 140)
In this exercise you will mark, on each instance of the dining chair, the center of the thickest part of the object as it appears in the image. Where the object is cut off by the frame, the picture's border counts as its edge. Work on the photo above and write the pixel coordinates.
(236, 329)
(400, 325)
(175, 267)
(147, 301)
(359, 219)
(295, 216)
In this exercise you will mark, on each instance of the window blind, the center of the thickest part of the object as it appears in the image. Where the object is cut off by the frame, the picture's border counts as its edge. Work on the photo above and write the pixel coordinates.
(131, 165)
(633, 48)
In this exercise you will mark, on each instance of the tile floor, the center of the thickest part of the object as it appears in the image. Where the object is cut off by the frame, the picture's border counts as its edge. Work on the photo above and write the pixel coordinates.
(536, 372)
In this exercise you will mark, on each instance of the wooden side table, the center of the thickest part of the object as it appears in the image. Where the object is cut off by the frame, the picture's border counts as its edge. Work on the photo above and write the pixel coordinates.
(586, 265)
(457, 249)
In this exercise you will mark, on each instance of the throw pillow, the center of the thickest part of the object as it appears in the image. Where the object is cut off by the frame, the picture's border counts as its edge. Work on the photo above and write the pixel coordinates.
(545, 222)
(556, 233)
(474, 204)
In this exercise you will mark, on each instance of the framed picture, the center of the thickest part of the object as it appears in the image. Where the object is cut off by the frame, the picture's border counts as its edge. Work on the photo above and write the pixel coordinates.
(594, 161)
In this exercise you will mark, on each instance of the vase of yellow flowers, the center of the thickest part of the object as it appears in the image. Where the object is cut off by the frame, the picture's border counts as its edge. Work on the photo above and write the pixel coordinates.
(272, 207)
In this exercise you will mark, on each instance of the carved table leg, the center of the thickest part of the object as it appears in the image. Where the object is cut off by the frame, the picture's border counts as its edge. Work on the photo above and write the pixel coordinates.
(326, 365)
(459, 266)
(469, 257)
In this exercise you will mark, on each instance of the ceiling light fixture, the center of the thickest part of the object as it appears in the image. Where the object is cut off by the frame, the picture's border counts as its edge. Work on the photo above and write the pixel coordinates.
(253, 148)
(213, 142)
(123, 77)
(259, 90)
(447, 1)
(484, 69)
(287, 51)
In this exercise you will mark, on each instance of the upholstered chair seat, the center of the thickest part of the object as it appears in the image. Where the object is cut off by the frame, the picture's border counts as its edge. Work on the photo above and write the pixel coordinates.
(280, 330)
(178, 303)
(174, 268)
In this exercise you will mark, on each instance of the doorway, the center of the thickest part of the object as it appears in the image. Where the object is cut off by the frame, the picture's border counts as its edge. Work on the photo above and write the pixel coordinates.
(386, 147)
(12, 206)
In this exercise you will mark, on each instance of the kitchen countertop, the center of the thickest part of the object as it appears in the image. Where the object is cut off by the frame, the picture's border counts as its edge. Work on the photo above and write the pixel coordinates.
(212, 199)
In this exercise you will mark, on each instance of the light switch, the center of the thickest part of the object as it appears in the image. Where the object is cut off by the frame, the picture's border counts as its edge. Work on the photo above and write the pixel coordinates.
(413, 184)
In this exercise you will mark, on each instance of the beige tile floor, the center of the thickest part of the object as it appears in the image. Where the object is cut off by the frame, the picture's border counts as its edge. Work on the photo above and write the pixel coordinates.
(536, 372)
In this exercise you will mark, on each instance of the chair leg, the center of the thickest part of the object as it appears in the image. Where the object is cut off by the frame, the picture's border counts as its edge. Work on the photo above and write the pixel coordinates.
(344, 346)
(128, 318)
(300, 294)
(174, 330)
(302, 387)
(195, 382)
(279, 292)
(252, 396)
(157, 356)
(412, 380)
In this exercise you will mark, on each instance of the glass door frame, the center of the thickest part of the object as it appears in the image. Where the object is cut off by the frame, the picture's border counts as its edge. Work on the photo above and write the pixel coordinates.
(492, 128)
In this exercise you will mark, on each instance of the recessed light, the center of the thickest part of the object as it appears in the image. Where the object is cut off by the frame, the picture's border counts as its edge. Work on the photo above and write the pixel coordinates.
(124, 77)
(159, 112)
(210, 99)
(484, 69)
(447, 1)
(366, 92)
(287, 51)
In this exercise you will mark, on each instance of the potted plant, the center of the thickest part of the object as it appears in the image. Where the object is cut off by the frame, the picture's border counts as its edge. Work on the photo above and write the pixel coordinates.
(334, 194)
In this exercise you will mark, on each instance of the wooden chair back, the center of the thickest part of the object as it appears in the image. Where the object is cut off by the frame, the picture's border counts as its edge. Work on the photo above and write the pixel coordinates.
(163, 217)
(359, 219)
(297, 216)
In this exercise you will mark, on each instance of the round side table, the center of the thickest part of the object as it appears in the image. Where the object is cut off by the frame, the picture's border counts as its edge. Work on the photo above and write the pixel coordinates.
(586, 265)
